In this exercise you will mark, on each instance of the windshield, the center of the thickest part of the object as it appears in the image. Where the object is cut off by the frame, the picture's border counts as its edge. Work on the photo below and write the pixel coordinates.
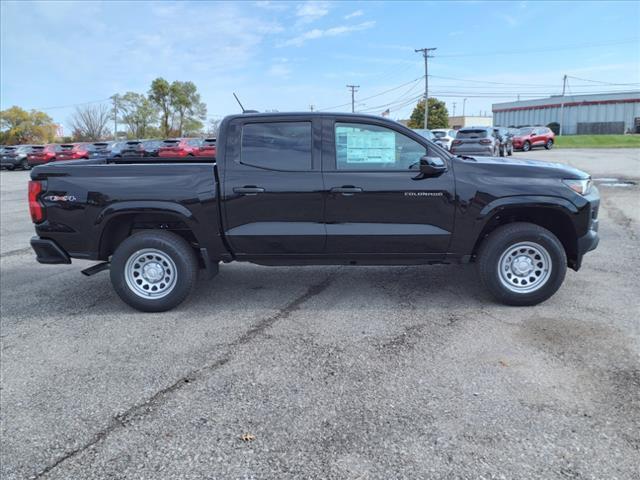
(475, 133)
(525, 131)
(440, 134)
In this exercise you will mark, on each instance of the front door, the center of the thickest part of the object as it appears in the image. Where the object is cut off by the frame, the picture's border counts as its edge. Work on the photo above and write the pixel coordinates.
(272, 187)
(377, 201)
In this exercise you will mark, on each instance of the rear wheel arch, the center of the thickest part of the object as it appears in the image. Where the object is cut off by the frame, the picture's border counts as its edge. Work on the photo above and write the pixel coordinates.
(554, 218)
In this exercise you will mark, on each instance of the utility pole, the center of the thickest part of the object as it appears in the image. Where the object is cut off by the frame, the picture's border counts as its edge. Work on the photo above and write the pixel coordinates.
(564, 89)
(464, 104)
(425, 54)
(454, 109)
(311, 107)
(354, 89)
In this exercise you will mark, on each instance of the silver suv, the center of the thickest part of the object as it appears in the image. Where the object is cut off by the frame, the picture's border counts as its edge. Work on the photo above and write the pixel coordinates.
(476, 141)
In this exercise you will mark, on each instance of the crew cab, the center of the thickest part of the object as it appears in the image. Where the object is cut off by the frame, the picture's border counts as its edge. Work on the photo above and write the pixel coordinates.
(314, 188)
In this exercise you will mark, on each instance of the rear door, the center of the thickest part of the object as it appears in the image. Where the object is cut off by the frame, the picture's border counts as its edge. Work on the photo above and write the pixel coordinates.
(272, 187)
(377, 202)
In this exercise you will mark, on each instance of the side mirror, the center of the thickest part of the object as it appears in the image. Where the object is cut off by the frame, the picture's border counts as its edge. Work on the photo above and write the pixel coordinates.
(532, 134)
(432, 166)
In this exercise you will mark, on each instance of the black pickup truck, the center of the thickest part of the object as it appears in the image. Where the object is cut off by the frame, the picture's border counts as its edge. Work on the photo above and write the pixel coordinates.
(314, 188)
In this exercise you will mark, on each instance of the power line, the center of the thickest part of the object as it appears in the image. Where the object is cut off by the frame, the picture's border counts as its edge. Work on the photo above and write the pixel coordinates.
(372, 96)
(602, 83)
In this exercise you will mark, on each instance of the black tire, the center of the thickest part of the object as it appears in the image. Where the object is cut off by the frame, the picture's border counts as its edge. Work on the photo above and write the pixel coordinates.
(25, 165)
(502, 150)
(500, 242)
(10, 167)
(170, 245)
(510, 150)
(526, 146)
(549, 144)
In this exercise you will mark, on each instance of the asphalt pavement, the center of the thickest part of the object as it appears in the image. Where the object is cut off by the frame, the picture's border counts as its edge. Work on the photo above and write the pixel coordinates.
(326, 372)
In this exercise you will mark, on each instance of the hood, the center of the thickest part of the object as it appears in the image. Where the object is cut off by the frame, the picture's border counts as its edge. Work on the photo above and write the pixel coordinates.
(525, 167)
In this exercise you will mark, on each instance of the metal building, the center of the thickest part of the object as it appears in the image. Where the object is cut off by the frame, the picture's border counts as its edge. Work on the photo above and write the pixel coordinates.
(577, 114)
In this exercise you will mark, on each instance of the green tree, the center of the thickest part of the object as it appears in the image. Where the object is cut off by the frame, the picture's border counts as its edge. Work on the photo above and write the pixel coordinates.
(438, 115)
(160, 95)
(138, 113)
(187, 106)
(18, 126)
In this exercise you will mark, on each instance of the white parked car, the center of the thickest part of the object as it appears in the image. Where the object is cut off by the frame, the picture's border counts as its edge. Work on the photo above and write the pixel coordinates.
(444, 136)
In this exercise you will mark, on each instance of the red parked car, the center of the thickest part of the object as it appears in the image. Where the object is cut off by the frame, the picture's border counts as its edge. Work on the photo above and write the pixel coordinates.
(179, 147)
(207, 149)
(42, 154)
(530, 137)
(73, 151)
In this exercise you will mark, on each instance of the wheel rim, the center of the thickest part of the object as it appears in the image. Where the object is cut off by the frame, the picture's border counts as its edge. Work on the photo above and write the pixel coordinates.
(525, 147)
(150, 273)
(549, 143)
(524, 267)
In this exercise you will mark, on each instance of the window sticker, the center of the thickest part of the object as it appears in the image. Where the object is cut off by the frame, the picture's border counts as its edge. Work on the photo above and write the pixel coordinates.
(366, 146)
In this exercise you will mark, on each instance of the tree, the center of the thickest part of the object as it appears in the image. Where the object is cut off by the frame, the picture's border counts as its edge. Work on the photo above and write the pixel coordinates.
(89, 123)
(438, 115)
(213, 127)
(187, 106)
(17, 126)
(160, 95)
(138, 113)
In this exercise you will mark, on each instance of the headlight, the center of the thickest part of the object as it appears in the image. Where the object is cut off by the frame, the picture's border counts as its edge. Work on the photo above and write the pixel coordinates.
(579, 186)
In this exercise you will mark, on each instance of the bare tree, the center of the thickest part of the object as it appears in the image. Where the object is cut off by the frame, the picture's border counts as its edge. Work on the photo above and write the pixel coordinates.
(90, 122)
(213, 126)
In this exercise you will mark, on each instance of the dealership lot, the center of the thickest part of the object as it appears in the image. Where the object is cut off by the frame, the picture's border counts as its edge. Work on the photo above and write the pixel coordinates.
(327, 372)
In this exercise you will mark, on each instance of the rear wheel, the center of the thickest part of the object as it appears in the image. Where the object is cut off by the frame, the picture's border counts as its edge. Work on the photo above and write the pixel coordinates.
(10, 167)
(522, 264)
(25, 165)
(526, 146)
(502, 150)
(510, 150)
(154, 271)
(549, 144)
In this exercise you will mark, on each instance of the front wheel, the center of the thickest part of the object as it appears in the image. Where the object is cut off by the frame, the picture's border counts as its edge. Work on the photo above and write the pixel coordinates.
(25, 165)
(154, 271)
(510, 150)
(549, 144)
(526, 147)
(503, 150)
(522, 264)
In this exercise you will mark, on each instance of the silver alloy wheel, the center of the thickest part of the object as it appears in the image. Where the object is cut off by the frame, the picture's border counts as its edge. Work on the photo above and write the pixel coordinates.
(150, 273)
(524, 267)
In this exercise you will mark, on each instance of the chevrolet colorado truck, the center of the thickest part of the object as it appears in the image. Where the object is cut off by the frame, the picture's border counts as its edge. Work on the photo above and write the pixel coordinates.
(314, 189)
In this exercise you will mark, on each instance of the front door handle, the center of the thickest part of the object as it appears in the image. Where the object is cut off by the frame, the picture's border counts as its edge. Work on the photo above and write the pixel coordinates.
(346, 190)
(248, 190)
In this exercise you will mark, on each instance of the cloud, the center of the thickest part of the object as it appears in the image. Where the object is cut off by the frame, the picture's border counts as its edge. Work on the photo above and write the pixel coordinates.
(311, 11)
(329, 32)
(357, 13)
(509, 19)
(279, 70)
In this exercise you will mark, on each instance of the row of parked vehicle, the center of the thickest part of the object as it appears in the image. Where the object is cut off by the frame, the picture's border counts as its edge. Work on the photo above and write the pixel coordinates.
(29, 156)
(491, 141)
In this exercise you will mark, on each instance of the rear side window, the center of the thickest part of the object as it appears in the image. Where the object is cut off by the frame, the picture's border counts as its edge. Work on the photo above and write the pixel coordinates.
(476, 133)
(277, 146)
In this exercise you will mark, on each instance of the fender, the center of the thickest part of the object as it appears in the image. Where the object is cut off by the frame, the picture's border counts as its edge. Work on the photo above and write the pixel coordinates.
(144, 206)
(526, 200)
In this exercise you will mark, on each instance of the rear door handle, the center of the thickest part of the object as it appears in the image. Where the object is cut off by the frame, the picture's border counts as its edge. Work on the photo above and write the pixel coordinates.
(248, 190)
(346, 190)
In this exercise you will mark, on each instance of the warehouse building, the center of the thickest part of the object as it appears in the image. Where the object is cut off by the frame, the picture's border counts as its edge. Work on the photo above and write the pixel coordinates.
(576, 114)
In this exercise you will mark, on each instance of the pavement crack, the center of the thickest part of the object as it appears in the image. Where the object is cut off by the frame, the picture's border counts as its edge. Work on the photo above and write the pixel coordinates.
(14, 253)
(139, 410)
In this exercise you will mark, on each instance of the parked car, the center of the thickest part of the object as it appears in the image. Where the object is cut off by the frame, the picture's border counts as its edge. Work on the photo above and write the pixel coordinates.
(116, 148)
(40, 154)
(444, 136)
(72, 151)
(99, 149)
(151, 147)
(14, 156)
(428, 134)
(206, 149)
(531, 137)
(282, 193)
(132, 148)
(476, 141)
(505, 140)
(179, 147)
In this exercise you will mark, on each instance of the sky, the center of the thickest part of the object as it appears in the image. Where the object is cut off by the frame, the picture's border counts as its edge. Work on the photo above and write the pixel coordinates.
(290, 56)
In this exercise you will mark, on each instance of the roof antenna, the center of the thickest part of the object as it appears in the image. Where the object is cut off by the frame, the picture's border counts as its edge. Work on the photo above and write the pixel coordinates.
(237, 100)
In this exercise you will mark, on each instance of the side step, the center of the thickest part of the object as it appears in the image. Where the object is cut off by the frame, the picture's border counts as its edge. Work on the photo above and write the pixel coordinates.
(92, 270)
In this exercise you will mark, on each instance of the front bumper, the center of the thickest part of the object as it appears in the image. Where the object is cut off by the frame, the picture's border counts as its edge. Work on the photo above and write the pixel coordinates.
(48, 251)
(13, 162)
(590, 240)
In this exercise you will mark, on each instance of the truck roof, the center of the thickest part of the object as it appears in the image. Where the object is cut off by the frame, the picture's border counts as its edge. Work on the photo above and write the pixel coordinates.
(308, 114)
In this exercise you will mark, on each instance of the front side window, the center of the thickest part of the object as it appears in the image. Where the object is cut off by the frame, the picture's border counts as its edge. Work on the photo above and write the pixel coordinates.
(370, 147)
(277, 146)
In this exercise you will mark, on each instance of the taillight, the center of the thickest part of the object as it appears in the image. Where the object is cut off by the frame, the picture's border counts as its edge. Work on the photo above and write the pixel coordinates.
(456, 142)
(35, 207)
(485, 141)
